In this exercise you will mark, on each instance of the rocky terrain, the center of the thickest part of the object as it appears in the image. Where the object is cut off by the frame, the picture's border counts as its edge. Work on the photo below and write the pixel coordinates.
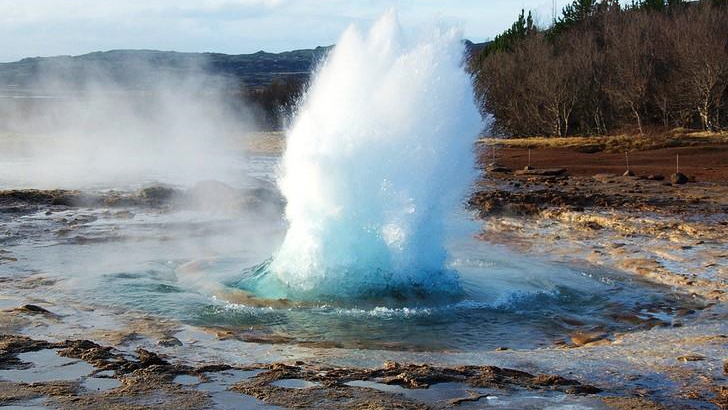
(67, 353)
(113, 379)
(674, 234)
(670, 234)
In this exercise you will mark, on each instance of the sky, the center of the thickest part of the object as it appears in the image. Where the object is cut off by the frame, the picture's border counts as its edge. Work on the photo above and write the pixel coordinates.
(30, 28)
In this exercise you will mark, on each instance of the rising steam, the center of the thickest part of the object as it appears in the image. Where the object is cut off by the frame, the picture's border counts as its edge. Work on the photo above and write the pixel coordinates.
(86, 127)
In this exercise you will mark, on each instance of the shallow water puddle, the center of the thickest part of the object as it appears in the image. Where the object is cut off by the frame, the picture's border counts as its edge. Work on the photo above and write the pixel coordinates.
(187, 380)
(105, 373)
(228, 400)
(33, 404)
(491, 398)
(9, 302)
(294, 384)
(220, 381)
(99, 384)
(217, 385)
(47, 366)
(436, 392)
(545, 401)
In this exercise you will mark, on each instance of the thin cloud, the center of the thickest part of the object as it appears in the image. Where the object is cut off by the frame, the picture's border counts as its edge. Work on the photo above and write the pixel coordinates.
(50, 27)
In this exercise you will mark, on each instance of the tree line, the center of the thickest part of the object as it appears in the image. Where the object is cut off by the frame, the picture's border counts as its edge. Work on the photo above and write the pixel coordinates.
(603, 67)
(274, 104)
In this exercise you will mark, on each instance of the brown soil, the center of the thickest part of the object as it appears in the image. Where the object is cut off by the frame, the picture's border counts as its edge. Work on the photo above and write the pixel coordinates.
(707, 163)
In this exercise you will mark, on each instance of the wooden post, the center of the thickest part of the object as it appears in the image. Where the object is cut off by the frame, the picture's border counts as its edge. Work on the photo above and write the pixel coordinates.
(677, 163)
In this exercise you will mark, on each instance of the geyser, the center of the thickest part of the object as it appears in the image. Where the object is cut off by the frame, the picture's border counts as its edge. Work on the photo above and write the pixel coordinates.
(380, 152)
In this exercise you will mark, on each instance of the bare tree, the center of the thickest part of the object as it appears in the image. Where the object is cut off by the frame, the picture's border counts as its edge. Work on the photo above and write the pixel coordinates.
(665, 66)
(702, 46)
(631, 65)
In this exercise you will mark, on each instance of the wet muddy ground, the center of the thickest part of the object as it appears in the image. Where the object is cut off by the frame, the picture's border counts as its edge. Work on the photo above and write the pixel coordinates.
(120, 358)
(82, 374)
(640, 223)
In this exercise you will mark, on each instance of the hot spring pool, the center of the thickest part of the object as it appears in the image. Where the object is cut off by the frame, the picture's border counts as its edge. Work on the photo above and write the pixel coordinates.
(185, 266)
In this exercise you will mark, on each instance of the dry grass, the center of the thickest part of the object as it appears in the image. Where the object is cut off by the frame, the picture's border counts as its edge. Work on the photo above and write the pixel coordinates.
(615, 143)
(270, 142)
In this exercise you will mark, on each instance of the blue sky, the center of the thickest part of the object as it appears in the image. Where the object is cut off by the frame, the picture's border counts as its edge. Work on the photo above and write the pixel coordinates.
(30, 28)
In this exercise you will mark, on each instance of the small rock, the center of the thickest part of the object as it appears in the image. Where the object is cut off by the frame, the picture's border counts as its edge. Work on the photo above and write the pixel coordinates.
(605, 178)
(528, 168)
(501, 349)
(157, 193)
(169, 342)
(582, 389)
(590, 149)
(583, 338)
(497, 168)
(124, 215)
(542, 172)
(7, 258)
(33, 309)
(679, 178)
(552, 380)
(147, 358)
(628, 173)
(631, 403)
(691, 358)
(721, 397)
(682, 312)
(593, 225)
(389, 365)
(630, 318)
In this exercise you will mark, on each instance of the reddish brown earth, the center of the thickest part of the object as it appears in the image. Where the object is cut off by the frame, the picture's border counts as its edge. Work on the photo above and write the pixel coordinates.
(707, 163)
(577, 199)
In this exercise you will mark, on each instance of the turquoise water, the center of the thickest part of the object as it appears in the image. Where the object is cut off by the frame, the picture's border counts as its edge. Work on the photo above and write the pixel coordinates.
(507, 299)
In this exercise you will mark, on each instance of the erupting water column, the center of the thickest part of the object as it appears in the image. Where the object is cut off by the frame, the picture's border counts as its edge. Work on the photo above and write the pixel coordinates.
(381, 151)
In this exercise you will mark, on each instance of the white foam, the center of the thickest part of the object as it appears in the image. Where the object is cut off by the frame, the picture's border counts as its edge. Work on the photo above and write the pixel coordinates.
(379, 153)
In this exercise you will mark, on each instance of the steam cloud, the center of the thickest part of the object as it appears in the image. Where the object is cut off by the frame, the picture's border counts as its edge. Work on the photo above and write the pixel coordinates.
(85, 128)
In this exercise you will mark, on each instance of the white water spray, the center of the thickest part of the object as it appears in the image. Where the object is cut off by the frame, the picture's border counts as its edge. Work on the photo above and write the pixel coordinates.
(380, 152)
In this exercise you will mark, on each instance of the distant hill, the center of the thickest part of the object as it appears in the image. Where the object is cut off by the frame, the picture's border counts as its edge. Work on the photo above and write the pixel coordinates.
(475, 48)
(125, 66)
(136, 68)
